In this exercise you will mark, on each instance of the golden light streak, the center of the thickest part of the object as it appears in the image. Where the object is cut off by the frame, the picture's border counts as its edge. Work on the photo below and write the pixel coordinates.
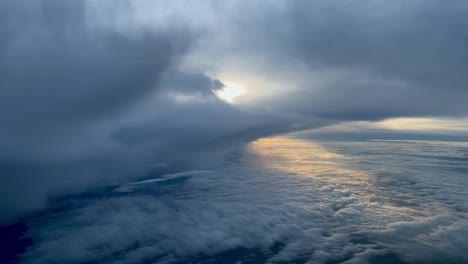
(307, 159)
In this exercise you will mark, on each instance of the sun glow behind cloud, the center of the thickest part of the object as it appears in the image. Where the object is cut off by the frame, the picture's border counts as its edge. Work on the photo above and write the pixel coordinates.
(231, 91)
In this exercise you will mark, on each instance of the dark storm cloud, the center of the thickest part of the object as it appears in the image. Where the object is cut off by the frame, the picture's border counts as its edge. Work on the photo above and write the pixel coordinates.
(58, 74)
(61, 82)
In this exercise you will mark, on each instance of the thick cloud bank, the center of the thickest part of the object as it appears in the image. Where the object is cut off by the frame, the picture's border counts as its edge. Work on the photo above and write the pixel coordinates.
(63, 79)
(97, 92)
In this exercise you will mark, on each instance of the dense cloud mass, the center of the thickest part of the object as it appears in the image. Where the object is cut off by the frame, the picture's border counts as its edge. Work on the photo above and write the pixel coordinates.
(62, 81)
(93, 93)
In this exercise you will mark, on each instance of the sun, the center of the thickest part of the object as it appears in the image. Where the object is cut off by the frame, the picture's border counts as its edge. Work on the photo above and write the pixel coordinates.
(230, 91)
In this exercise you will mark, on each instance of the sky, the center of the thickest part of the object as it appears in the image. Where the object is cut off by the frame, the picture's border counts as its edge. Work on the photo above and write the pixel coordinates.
(95, 92)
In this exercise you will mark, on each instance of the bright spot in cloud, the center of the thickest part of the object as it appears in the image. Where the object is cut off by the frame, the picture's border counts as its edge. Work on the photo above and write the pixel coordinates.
(230, 91)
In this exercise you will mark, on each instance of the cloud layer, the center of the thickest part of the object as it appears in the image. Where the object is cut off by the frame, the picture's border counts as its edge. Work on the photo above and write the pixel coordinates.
(280, 201)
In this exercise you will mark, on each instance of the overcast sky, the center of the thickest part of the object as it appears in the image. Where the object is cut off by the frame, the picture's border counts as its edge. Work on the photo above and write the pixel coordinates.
(101, 91)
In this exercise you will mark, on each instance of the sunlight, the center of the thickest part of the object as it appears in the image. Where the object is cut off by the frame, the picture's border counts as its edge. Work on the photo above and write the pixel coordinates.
(306, 159)
(230, 91)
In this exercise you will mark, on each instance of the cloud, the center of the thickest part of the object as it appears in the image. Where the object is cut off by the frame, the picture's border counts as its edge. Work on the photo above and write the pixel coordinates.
(84, 102)
(63, 85)
(100, 92)
(309, 205)
(348, 61)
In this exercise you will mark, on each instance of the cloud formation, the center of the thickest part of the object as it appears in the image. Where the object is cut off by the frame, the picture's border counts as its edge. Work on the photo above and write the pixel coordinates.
(82, 103)
(100, 92)
(353, 61)
(281, 201)
(63, 83)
